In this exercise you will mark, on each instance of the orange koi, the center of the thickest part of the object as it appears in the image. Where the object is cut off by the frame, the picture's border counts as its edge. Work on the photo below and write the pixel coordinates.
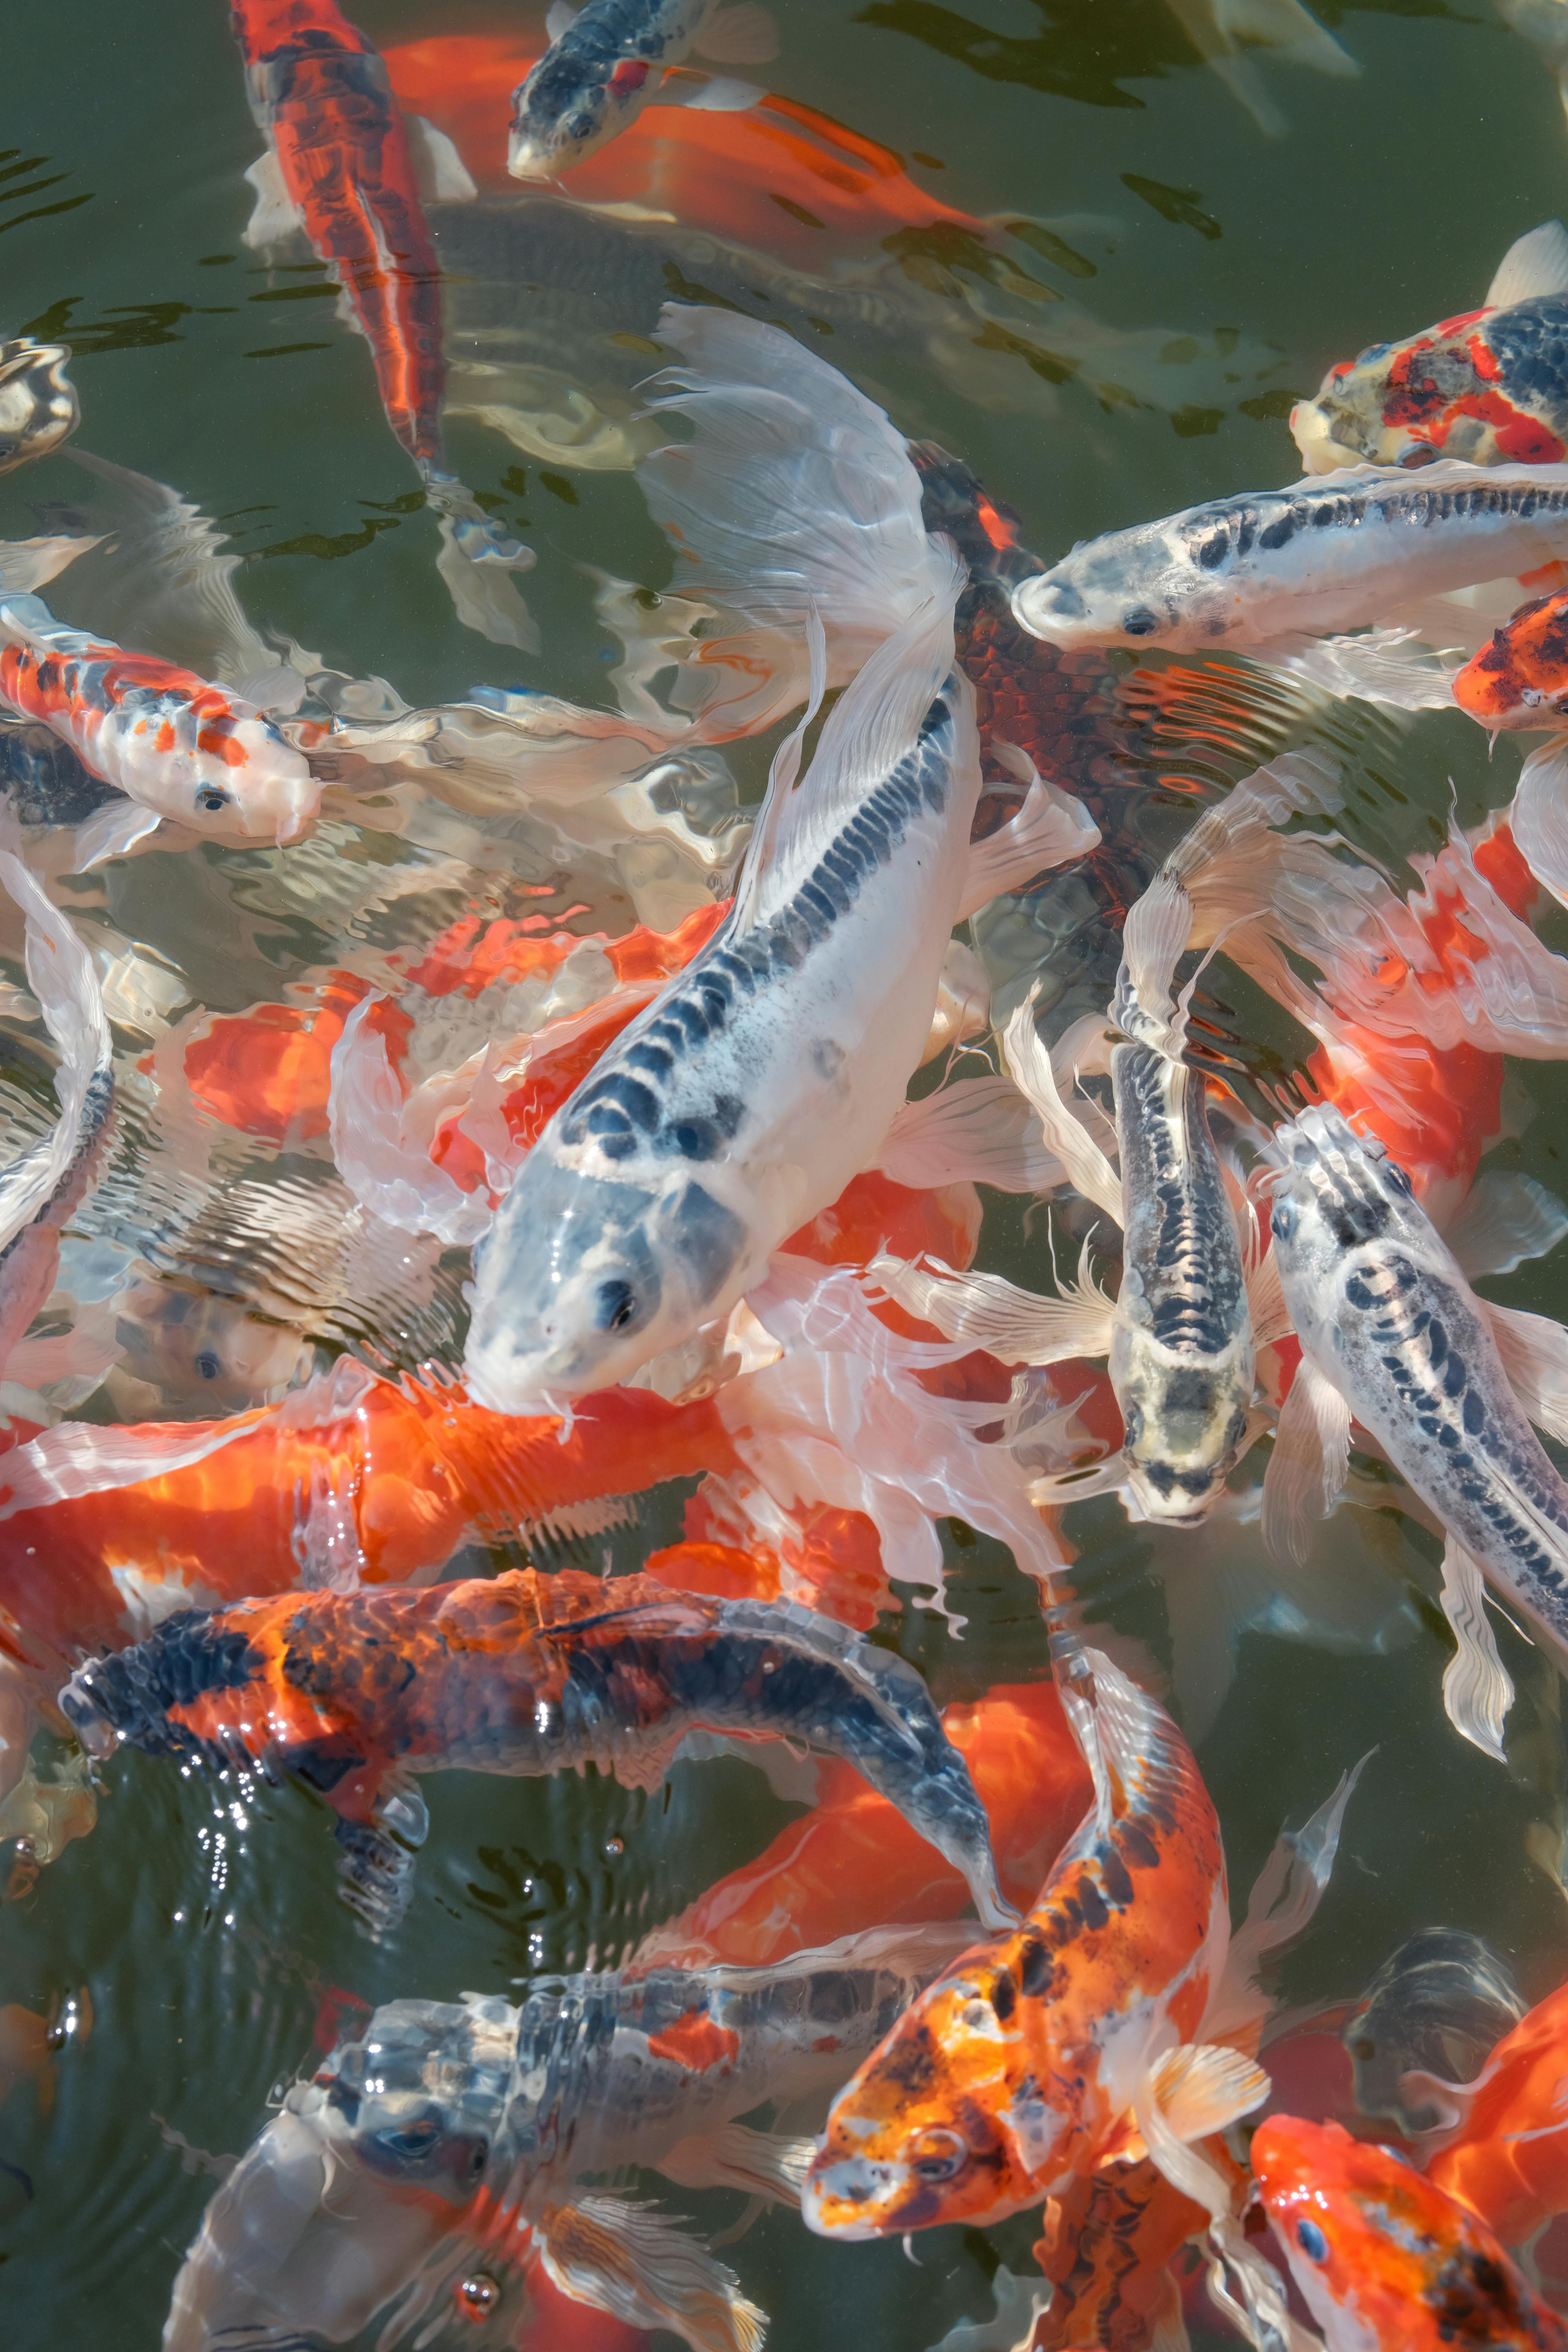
(1509, 2159)
(104, 1531)
(1383, 2256)
(778, 175)
(1040, 2054)
(853, 1862)
(1519, 677)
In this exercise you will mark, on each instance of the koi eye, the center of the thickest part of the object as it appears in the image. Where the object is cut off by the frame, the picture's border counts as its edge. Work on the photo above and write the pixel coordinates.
(1311, 2241)
(615, 1305)
(207, 1365)
(212, 799)
(413, 2142)
(938, 2154)
(477, 2296)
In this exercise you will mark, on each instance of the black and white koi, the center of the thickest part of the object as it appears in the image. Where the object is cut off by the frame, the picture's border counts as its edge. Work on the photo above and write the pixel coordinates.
(606, 60)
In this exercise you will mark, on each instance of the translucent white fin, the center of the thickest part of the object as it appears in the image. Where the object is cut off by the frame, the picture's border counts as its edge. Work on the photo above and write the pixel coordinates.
(1477, 1689)
(26, 564)
(1287, 28)
(1503, 1219)
(1539, 817)
(986, 1310)
(1266, 1301)
(483, 596)
(785, 454)
(1535, 263)
(110, 831)
(1285, 1894)
(1203, 2087)
(560, 17)
(723, 94)
(1088, 1168)
(630, 2260)
(274, 218)
(1534, 1351)
(972, 1130)
(61, 976)
(763, 2164)
(389, 1172)
(439, 170)
(1306, 1472)
(1050, 827)
(1397, 665)
(1019, 2303)
(874, 725)
(745, 34)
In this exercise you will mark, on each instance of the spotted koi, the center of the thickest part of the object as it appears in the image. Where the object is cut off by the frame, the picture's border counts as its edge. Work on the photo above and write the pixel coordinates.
(167, 738)
(38, 406)
(1519, 677)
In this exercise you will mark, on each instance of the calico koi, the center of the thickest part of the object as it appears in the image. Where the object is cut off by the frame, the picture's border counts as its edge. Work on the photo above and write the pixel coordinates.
(1383, 2256)
(1519, 677)
(448, 2139)
(38, 406)
(170, 740)
(1490, 386)
(1040, 2054)
(606, 60)
(522, 1673)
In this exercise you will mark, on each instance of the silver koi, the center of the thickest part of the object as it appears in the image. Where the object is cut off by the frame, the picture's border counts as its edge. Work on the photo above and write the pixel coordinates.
(1391, 1333)
(38, 406)
(606, 60)
(1264, 570)
(450, 2133)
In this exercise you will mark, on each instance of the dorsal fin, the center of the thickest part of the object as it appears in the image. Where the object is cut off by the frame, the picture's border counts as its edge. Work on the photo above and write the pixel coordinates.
(1532, 265)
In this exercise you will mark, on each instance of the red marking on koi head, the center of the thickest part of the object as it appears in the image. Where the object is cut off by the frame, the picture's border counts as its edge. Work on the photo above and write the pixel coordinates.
(218, 740)
(695, 2041)
(628, 78)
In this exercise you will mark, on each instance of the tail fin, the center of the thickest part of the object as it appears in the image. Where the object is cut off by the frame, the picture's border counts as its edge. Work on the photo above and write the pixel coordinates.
(793, 494)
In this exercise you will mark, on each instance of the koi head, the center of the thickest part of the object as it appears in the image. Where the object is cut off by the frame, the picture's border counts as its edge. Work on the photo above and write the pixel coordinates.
(1520, 678)
(38, 408)
(1168, 583)
(1337, 1192)
(246, 783)
(944, 2123)
(565, 109)
(1384, 2258)
(1185, 1423)
(584, 1278)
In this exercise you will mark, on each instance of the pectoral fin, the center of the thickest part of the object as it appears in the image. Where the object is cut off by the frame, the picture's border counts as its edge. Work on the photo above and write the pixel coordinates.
(628, 2259)
(439, 171)
(1204, 2086)
(1503, 1219)
(1535, 264)
(275, 217)
(974, 1130)
(1477, 1689)
(1050, 828)
(561, 18)
(1088, 1168)
(988, 1311)
(719, 96)
(745, 34)
(763, 2164)
(1306, 1472)
(483, 596)
(110, 830)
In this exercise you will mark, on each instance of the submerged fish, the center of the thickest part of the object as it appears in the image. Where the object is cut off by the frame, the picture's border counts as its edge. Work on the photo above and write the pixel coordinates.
(161, 734)
(1385, 2260)
(1391, 1333)
(522, 1673)
(441, 2140)
(1038, 2055)
(345, 165)
(1519, 677)
(606, 60)
(38, 406)
(1263, 569)
(1490, 386)
(1435, 2007)
(1507, 2155)
(1232, 34)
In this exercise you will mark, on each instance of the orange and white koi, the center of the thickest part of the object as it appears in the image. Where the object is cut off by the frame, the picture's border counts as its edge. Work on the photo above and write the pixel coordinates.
(1383, 2256)
(168, 739)
(1038, 2055)
(1506, 2156)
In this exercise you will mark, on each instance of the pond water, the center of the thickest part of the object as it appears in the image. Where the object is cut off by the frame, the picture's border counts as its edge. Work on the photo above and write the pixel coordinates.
(1174, 277)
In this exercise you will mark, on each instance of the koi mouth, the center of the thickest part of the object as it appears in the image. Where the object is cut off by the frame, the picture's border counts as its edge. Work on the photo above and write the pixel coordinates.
(855, 2198)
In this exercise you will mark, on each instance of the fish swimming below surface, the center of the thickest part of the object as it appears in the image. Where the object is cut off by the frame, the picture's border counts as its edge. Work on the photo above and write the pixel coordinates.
(520, 1673)
(1391, 1333)
(1384, 2257)
(1503, 2150)
(38, 406)
(439, 2142)
(1490, 386)
(1436, 2007)
(1519, 677)
(1038, 2055)
(606, 59)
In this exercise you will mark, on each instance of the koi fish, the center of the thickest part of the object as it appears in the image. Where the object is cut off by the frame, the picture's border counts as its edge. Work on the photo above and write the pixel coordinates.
(522, 1673)
(38, 406)
(1435, 2007)
(1262, 571)
(1040, 2054)
(44, 1185)
(1519, 677)
(854, 1860)
(1490, 386)
(746, 1096)
(1391, 1333)
(1229, 34)
(159, 733)
(1504, 2149)
(606, 60)
(343, 165)
(445, 2140)
(1382, 2255)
